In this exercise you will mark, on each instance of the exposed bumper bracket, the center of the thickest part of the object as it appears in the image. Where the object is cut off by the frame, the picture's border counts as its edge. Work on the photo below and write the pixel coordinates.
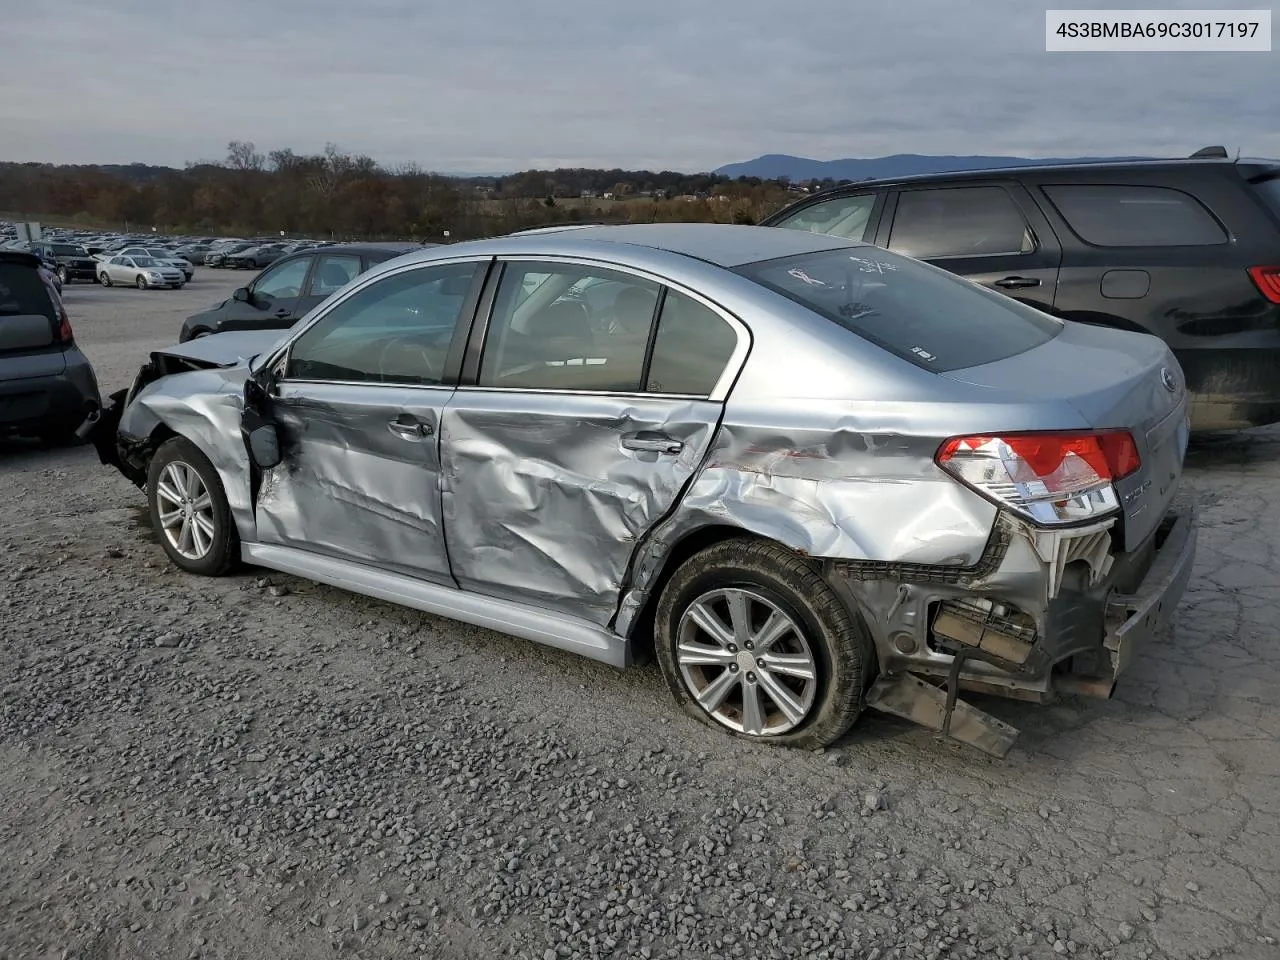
(911, 698)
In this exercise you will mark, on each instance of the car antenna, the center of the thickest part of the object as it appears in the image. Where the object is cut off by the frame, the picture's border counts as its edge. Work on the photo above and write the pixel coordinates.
(1216, 152)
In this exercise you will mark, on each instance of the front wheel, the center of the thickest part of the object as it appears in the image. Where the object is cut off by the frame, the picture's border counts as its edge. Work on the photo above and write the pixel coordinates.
(63, 276)
(141, 283)
(189, 510)
(104, 279)
(752, 640)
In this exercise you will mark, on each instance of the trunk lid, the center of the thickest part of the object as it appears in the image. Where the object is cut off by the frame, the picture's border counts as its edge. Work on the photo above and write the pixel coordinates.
(1113, 379)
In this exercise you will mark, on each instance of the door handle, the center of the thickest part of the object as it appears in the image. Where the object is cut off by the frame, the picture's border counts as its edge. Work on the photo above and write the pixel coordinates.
(282, 314)
(410, 429)
(651, 442)
(1014, 283)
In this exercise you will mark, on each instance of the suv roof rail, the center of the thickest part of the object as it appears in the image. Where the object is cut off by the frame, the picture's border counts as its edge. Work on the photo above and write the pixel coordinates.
(1215, 152)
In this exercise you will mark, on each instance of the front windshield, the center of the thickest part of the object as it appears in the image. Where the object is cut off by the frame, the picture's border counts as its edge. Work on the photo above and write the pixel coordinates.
(922, 313)
(144, 262)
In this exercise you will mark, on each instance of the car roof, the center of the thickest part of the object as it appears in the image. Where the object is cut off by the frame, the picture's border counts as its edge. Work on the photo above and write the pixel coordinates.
(722, 244)
(370, 247)
(13, 255)
(1176, 164)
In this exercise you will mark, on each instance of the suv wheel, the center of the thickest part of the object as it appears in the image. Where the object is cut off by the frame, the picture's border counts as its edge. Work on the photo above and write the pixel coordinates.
(752, 640)
(189, 510)
(63, 276)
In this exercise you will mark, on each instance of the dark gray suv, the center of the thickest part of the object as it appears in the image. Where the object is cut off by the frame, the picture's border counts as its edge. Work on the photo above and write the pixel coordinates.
(47, 386)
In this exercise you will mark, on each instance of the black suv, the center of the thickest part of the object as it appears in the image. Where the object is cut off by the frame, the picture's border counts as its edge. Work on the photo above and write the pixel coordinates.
(286, 291)
(1188, 250)
(69, 261)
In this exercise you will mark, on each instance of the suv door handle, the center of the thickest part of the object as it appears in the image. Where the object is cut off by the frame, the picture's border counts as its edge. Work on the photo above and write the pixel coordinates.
(410, 429)
(282, 314)
(1014, 283)
(651, 442)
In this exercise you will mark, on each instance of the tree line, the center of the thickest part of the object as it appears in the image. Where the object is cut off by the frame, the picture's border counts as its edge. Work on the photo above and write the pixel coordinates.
(350, 196)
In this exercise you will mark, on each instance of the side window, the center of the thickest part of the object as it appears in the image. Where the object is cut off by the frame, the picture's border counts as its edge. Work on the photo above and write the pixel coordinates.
(333, 272)
(1125, 216)
(959, 222)
(840, 217)
(546, 334)
(282, 280)
(693, 346)
(396, 330)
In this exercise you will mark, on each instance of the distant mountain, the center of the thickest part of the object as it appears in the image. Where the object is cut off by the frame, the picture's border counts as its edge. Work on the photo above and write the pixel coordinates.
(774, 165)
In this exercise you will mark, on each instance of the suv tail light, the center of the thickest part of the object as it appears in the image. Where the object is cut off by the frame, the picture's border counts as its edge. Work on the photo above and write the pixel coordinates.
(1050, 478)
(1268, 281)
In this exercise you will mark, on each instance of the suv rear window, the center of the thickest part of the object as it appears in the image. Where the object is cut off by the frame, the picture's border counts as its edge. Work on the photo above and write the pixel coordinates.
(24, 291)
(1131, 216)
(1270, 191)
(923, 314)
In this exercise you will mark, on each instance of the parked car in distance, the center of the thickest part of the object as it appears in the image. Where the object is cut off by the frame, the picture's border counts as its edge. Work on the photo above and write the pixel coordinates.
(293, 285)
(69, 261)
(142, 272)
(217, 255)
(816, 476)
(1188, 250)
(255, 257)
(164, 257)
(47, 386)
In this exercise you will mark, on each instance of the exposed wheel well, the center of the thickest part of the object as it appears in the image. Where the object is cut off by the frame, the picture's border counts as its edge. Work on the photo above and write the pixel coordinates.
(641, 633)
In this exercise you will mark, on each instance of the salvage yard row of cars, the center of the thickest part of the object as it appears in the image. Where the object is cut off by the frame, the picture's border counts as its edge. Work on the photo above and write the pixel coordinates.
(807, 470)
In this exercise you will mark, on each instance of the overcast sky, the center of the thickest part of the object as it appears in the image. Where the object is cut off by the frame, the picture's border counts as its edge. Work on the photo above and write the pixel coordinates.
(498, 85)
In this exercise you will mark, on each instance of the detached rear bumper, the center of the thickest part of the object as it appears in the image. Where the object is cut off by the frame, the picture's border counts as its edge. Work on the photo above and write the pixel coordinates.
(1135, 619)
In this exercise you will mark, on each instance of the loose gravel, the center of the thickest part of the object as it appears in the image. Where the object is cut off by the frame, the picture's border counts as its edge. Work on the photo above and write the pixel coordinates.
(258, 766)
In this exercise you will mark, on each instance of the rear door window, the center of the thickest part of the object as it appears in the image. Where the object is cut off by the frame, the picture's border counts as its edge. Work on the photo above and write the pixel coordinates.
(693, 346)
(921, 313)
(959, 222)
(1122, 215)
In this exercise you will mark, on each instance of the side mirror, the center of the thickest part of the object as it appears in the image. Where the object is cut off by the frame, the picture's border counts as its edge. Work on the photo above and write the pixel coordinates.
(260, 435)
(243, 295)
(264, 446)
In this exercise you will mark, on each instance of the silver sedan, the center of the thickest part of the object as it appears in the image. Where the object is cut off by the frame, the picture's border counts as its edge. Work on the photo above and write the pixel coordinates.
(141, 272)
(809, 475)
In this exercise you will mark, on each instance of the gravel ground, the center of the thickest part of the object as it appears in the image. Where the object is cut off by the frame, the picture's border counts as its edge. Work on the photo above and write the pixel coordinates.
(259, 767)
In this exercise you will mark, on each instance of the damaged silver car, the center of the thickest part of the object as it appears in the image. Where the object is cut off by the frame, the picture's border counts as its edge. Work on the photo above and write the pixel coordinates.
(811, 476)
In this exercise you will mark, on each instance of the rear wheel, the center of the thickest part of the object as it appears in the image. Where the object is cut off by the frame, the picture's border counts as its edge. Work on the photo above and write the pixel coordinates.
(189, 510)
(752, 640)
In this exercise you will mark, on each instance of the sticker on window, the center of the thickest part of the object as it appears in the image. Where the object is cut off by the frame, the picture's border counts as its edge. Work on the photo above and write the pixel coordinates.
(873, 266)
(923, 354)
(804, 277)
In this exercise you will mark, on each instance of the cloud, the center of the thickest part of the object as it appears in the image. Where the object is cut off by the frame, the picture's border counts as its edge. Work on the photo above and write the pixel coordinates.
(509, 84)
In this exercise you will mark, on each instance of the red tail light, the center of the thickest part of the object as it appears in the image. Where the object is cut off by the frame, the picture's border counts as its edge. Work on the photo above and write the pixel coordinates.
(64, 334)
(1051, 478)
(1268, 281)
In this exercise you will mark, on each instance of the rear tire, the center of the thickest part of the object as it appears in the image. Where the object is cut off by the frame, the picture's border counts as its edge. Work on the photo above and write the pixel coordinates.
(807, 686)
(189, 511)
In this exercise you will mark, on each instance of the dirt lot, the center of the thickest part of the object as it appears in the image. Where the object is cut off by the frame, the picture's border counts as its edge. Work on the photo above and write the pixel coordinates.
(258, 767)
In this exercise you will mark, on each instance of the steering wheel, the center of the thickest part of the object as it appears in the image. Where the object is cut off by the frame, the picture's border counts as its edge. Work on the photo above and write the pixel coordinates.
(411, 347)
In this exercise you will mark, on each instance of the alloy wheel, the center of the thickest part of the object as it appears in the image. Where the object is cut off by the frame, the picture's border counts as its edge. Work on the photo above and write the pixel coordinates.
(746, 662)
(186, 510)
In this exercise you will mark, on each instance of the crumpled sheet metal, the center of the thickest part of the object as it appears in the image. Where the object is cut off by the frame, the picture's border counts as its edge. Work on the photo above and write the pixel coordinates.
(205, 406)
(540, 506)
(843, 492)
(349, 487)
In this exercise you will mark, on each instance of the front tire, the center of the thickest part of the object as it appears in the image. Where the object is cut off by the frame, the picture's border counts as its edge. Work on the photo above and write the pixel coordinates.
(140, 283)
(750, 639)
(63, 276)
(189, 510)
(104, 279)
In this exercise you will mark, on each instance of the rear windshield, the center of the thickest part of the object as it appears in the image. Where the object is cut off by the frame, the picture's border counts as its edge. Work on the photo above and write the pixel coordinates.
(921, 313)
(24, 291)
(68, 250)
